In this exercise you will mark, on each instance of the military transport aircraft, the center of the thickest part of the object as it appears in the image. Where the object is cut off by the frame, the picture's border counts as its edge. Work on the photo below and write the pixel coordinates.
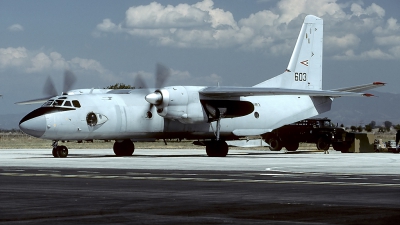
(211, 115)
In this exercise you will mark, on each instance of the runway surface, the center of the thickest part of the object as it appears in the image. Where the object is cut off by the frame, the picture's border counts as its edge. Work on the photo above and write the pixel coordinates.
(157, 186)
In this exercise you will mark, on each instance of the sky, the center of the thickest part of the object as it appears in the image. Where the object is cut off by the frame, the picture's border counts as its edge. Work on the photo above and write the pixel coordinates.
(233, 43)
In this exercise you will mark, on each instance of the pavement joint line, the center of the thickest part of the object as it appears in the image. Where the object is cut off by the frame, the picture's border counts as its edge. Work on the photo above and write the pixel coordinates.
(89, 176)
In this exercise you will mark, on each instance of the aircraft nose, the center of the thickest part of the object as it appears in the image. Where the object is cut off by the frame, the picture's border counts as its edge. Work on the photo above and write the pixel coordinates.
(35, 126)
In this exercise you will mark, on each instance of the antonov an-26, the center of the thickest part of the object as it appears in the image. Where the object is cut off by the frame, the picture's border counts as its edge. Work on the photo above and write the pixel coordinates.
(212, 115)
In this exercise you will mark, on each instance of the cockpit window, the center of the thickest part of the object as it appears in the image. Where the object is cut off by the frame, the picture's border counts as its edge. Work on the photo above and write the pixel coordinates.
(76, 103)
(67, 103)
(58, 102)
(48, 103)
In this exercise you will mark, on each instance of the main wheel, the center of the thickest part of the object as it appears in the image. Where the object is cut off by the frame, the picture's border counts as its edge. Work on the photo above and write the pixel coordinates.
(55, 153)
(217, 149)
(323, 143)
(124, 148)
(60, 151)
(275, 144)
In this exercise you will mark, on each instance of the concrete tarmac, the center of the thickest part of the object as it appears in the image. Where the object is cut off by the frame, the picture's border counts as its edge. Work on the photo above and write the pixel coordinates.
(164, 186)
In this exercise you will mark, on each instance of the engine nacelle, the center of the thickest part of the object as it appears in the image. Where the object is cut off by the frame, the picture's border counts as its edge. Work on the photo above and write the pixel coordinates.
(182, 104)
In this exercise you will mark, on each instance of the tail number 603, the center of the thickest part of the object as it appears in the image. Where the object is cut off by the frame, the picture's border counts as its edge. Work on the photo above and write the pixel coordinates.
(300, 76)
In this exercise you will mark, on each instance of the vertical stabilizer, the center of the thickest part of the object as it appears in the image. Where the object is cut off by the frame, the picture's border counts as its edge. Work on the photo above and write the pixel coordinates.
(305, 66)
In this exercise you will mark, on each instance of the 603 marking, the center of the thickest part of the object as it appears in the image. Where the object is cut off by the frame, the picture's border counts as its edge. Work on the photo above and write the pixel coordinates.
(300, 76)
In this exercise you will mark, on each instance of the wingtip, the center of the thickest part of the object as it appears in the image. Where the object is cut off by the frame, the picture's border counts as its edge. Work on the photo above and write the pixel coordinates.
(378, 83)
(368, 95)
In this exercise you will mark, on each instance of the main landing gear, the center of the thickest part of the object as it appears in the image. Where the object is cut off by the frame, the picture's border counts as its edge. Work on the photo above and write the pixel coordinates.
(217, 148)
(123, 147)
(59, 151)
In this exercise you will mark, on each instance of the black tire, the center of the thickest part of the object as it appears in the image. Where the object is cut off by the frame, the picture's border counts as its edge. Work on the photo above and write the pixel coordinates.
(323, 143)
(62, 151)
(124, 148)
(292, 146)
(217, 149)
(274, 144)
(55, 153)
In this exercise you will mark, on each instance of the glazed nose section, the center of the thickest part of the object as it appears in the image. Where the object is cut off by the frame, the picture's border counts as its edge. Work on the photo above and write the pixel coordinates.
(35, 126)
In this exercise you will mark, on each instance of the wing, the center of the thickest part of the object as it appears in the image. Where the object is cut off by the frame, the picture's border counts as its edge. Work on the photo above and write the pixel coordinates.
(217, 92)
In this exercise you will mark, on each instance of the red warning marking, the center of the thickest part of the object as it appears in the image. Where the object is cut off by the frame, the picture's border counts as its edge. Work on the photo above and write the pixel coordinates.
(378, 83)
(305, 62)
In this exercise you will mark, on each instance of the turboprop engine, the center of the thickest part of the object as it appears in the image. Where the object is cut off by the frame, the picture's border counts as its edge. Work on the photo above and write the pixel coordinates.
(179, 103)
(183, 103)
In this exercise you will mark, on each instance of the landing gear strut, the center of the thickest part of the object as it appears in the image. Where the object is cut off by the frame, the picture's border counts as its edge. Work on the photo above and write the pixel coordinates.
(124, 148)
(59, 151)
(217, 148)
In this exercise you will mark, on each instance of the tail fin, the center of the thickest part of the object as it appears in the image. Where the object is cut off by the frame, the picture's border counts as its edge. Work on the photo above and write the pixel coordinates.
(305, 66)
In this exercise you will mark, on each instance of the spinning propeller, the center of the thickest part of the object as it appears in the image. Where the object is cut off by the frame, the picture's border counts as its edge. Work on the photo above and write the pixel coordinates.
(50, 90)
(162, 74)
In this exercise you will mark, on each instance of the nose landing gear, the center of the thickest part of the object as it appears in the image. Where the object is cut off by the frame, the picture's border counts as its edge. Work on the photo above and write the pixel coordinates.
(124, 148)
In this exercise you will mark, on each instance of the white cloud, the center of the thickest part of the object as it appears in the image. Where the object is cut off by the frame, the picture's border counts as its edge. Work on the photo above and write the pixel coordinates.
(371, 10)
(177, 77)
(108, 26)
(41, 62)
(289, 10)
(155, 15)
(395, 51)
(376, 54)
(16, 27)
(390, 28)
(366, 55)
(347, 41)
(12, 57)
(388, 40)
(272, 31)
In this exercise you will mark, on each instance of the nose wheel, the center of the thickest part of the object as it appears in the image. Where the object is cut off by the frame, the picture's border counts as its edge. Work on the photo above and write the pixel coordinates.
(59, 151)
(124, 148)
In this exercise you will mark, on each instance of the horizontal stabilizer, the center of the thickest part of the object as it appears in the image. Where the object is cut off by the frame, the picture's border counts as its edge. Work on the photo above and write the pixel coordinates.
(361, 88)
